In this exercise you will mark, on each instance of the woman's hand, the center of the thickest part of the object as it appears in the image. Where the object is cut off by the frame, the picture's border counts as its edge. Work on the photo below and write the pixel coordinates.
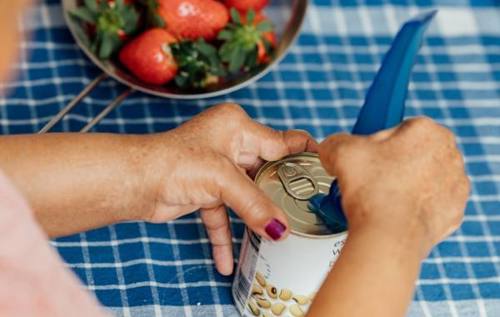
(403, 191)
(76, 182)
(204, 163)
(407, 182)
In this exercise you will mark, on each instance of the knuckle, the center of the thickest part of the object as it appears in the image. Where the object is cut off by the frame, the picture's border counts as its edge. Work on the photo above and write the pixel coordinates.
(467, 185)
(337, 152)
(465, 188)
(215, 219)
(225, 171)
(424, 127)
(421, 123)
(221, 170)
(255, 211)
(230, 109)
(457, 219)
(302, 133)
(448, 135)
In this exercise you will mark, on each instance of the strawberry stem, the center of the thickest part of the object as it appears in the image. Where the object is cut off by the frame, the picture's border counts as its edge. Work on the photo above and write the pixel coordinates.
(112, 21)
(240, 41)
(198, 62)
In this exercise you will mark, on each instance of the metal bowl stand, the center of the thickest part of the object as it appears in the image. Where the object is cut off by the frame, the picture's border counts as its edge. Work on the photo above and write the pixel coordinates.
(112, 105)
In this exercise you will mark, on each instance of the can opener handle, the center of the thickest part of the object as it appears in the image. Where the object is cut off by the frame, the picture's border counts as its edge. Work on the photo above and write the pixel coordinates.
(383, 108)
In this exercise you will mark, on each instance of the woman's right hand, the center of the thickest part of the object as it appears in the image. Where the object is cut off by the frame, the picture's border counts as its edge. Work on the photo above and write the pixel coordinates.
(408, 182)
(403, 191)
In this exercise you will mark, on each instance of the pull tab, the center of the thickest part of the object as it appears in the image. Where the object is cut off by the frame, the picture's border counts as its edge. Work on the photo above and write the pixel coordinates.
(297, 181)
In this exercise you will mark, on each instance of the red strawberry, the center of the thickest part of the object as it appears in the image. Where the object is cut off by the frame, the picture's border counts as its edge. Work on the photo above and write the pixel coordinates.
(149, 57)
(192, 19)
(262, 52)
(245, 5)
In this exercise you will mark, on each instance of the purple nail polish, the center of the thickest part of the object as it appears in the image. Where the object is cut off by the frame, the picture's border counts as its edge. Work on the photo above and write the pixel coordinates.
(275, 229)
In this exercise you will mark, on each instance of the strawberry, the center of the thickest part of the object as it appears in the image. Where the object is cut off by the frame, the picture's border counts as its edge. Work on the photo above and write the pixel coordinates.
(270, 37)
(247, 41)
(108, 24)
(193, 19)
(245, 5)
(263, 48)
(149, 57)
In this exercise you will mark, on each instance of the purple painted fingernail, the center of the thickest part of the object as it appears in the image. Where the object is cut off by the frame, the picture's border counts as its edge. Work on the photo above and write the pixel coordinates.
(275, 229)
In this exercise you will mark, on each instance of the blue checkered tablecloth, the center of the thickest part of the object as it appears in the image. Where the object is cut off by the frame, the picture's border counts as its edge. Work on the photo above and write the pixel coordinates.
(140, 269)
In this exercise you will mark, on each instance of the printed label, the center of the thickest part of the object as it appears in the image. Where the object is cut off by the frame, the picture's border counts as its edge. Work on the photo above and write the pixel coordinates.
(246, 269)
(281, 278)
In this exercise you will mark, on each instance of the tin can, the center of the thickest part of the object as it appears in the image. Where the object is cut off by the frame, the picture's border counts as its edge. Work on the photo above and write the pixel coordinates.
(281, 278)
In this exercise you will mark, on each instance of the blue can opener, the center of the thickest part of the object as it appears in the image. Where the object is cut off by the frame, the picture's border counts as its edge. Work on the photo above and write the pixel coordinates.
(383, 108)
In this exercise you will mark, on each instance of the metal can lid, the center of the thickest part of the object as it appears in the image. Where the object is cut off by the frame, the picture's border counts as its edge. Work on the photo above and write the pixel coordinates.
(290, 183)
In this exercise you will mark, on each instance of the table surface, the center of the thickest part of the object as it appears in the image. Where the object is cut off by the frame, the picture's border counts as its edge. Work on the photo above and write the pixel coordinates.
(140, 269)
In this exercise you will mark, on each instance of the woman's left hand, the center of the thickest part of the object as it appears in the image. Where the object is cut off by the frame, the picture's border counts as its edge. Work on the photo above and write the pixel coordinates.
(204, 164)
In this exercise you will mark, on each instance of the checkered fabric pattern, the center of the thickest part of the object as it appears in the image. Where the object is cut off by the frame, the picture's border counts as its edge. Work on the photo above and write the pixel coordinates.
(140, 269)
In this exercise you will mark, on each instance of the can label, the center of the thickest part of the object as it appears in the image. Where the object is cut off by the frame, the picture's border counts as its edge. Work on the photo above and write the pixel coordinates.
(282, 277)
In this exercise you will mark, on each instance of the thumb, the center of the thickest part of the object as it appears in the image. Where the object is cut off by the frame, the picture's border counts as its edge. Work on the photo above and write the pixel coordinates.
(257, 210)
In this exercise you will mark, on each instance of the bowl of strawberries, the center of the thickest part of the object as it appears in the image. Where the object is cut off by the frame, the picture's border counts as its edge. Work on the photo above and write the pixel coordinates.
(185, 49)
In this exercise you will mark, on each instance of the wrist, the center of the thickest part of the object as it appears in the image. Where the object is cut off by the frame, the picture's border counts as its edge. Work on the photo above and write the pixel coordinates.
(404, 232)
(143, 178)
(408, 246)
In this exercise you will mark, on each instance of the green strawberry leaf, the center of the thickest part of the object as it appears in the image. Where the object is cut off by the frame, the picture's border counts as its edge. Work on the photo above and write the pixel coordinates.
(225, 35)
(102, 5)
(111, 21)
(91, 5)
(84, 14)
(151, 17)
(264, 26)
(250, 17)
(240, 42)
(181, 79)
(157, 21)
(105, 47)
(198, 63)
(235, 16)
(205, 48)
(118, 3)
(236, 60)
(130, 20)
(251, 59)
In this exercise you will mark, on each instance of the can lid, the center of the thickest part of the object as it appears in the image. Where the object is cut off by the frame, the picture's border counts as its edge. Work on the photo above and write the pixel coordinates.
(290, 183)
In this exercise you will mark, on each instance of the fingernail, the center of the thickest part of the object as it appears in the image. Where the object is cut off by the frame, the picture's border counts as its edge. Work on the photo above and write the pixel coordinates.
(275, 229)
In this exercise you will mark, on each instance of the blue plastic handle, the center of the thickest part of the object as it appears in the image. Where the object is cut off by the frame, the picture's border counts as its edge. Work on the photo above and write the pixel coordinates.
(384, 105)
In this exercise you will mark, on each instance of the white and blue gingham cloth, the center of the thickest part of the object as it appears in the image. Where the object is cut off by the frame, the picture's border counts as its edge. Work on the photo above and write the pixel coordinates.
(141, 269)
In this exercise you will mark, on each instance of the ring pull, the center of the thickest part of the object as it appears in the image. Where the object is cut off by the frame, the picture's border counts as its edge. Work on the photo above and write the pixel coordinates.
(297, 181)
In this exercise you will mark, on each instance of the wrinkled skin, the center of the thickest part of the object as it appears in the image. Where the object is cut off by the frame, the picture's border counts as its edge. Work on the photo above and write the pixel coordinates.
(406, 180)
(213, 154)
(404, 190)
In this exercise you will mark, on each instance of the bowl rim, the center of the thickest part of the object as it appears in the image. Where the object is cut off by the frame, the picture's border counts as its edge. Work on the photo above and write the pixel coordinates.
(299, 9)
